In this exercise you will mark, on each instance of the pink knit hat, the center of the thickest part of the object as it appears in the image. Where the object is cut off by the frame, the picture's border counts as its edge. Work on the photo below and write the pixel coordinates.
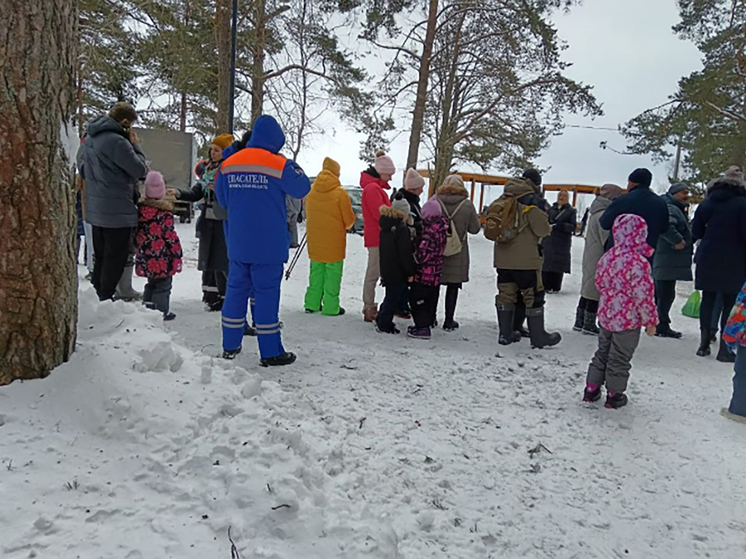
(384, 165)
(155, 187)
(431, 209)
(413, 180)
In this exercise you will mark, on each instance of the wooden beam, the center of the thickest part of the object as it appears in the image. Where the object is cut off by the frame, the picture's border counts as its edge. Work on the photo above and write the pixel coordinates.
(473, 185)
(481, 200)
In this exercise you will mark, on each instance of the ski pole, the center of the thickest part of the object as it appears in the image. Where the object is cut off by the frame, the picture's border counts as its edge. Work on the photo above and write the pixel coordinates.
(296, 257)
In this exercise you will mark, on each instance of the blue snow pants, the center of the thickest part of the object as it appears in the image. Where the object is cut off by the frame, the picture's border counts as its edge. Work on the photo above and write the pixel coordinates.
(262, 282)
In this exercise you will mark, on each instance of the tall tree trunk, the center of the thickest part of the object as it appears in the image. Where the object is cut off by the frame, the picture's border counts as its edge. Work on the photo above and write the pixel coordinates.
(183, 112)
(257, 73)
(38, 281)
(418, 115)
(223, 38)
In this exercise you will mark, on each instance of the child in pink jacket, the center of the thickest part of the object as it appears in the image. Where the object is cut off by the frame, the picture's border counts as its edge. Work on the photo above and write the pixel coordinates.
(627, 304)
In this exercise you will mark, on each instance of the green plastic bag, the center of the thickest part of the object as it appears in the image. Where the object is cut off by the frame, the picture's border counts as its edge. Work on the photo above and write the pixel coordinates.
(691, 308)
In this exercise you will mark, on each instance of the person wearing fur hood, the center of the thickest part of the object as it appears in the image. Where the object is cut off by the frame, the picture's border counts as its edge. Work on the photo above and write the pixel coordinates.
(397, 262)
(460, 211)
(720, 225)
(159, 253)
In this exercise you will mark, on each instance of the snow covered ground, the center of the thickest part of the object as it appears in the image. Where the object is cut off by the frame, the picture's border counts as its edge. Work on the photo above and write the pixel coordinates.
(146, 446)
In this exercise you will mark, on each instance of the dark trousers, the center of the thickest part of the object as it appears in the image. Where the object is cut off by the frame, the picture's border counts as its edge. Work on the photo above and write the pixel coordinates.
(111, 248)
(708, 306)
(552, 280)
(665, 295)
(588, 305)
(738, 401)
(213, 286)
(424, 302)
(390, 305)
(526, 283)
(452, 290)
(157, 293)
(717, 311)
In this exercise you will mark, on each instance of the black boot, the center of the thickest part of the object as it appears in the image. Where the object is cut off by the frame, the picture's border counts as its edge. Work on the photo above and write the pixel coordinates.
(286, 358)
(579, 319)
(704, 344)
(589, 324)
(540, 338)
(520, 319)
(724, 355)
(505, 321)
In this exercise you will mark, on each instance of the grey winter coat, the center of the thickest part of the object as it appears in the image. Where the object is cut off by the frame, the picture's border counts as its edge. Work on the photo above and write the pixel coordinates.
(112, 167)
(595, 239)
(558, 245)
(668, 263)
(456, 267)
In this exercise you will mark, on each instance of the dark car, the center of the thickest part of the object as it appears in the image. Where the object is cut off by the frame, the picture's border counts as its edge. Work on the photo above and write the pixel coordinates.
(356, 197)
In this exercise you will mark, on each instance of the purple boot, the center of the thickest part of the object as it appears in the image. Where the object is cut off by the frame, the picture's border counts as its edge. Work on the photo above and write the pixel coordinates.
(418, 333)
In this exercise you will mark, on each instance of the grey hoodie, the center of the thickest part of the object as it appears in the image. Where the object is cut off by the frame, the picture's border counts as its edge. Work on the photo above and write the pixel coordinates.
(111, 166)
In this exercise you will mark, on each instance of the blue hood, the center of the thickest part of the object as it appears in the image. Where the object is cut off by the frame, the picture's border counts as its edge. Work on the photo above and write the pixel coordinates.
(267, 135)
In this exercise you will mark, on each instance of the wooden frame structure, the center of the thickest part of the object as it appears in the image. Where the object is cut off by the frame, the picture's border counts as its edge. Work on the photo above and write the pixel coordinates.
(495, 180)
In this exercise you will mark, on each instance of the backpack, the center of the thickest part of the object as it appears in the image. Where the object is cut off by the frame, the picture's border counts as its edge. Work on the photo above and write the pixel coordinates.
(502, 220)
(454, 244)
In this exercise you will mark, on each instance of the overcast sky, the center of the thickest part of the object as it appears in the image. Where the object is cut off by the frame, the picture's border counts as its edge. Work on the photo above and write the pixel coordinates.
(625, 49)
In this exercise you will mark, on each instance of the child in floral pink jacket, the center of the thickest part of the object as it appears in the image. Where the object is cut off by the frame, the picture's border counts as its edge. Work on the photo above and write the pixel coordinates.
(627, 304)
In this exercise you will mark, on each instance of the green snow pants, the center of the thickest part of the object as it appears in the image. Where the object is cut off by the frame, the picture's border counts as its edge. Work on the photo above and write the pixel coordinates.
(324, 284)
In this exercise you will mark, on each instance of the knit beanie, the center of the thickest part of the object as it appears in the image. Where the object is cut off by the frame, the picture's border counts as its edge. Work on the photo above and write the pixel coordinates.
(155, 187)
(676, 188)
(401, 205)
(454, 180)
(533, 175)
(223, 140)
(332, 166)
(413, 181)
(641, 177)
(384, 165)
(610, 191)
(431, 209)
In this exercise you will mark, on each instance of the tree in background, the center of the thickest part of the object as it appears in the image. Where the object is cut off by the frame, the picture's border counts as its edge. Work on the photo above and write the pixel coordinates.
(38, 282)
(707, 115)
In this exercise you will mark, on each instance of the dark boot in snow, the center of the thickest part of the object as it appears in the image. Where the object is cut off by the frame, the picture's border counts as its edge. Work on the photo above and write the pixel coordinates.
(418, 333)
(520, 319)
(286, 358)
(505, 321)
(664, 331)
(392, 329)
(591, 395)
(249, 330)
(589, 324)
(540, 338)
(168, 317)
(724, 355)
(616, 400)
(231, 354)
(579, 319)
(714, 337)
(704, 344)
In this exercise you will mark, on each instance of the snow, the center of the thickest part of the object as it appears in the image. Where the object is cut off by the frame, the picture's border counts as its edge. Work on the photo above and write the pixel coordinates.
(145, 445)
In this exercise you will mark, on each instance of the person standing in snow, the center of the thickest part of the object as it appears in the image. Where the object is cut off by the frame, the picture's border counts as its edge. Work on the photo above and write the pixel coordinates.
(159, 253)
(374, 182)
(294, 207)
(112, 164)
(642, 201)
(595, 240)
(720, 224)
(329, 215)
(397, 261)
(252, 185)
(558, 245)
(429, 260)
(213, 254)
(735, 338)
(518, 264)
(673, 257)
(627, 304)
(462, 215)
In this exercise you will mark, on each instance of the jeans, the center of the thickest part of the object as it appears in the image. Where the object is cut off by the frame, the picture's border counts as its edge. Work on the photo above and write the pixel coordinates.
(706, 311)
(157, 294)
(111, 252)
(738, 401)
(665, 295)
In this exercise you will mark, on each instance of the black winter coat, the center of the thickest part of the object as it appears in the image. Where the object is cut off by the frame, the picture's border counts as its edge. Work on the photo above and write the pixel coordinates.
(720, 222)
(557, 246)
(396, 248)
(643, 202)
(669, 263)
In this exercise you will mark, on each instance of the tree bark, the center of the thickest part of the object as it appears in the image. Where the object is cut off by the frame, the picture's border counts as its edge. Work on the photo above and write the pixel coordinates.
(257, 67)
(418, 115)
(223, 38)
(38, 280)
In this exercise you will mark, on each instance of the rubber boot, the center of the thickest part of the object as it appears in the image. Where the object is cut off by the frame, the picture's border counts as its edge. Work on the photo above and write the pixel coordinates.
(724, 355)
(125, 291)
(520, 319)
(505, 321)
(540, 338)
(579, 319)
(704, 343)
(589, 324)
